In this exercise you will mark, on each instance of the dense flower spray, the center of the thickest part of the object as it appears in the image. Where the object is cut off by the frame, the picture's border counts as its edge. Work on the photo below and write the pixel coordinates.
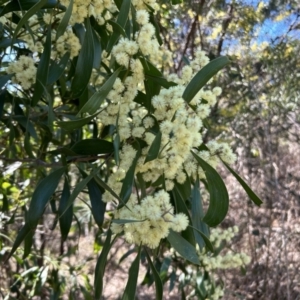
(178, 124)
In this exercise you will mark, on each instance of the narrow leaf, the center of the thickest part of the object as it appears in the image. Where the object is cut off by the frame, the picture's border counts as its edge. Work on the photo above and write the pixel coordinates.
(56, 70)
(142, 99)
(157, 30)
(183, 247)
(13, 6)
(131, 285)
(124, 221)
(180, 204)
(152, 73)
(79, 187)
(117, 149)
(93, 147)
(4, 79)
(64, 21)
(41, 196)
(25, 230)
(106, 187)
(161, 81)
(65, 214)
(97, 50)
(84, 64)
(26, 124)
(75, 124)
(154, 148)
(203, 76)
(121, 20)
(185, 188)
(98, 206)
(245, 186)
(157, 280)
(142, 185)
(96, 100)
(128, 181)
(100, 267)
(197, 215)
(35, 8)
(42, 70)
(205, 238)
(28, 241)
(117, 28)
(219, 199)
(149, 68)
(175, 2)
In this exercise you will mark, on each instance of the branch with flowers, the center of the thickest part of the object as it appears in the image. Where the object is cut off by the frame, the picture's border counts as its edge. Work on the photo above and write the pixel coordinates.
(92, 80)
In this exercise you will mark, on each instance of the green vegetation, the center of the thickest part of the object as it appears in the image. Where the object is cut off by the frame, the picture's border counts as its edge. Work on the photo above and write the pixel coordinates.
(118, 120)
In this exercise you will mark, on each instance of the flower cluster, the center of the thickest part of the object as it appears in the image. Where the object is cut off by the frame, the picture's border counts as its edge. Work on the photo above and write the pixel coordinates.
(150, 220)
(230, 260)
(68, 42)
(102, 10)
(180, 125)
(218, 291)
(24, 71)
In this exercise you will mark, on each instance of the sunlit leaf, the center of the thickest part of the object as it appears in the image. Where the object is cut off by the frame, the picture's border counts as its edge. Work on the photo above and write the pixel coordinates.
(219, 199)
(183, 247)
